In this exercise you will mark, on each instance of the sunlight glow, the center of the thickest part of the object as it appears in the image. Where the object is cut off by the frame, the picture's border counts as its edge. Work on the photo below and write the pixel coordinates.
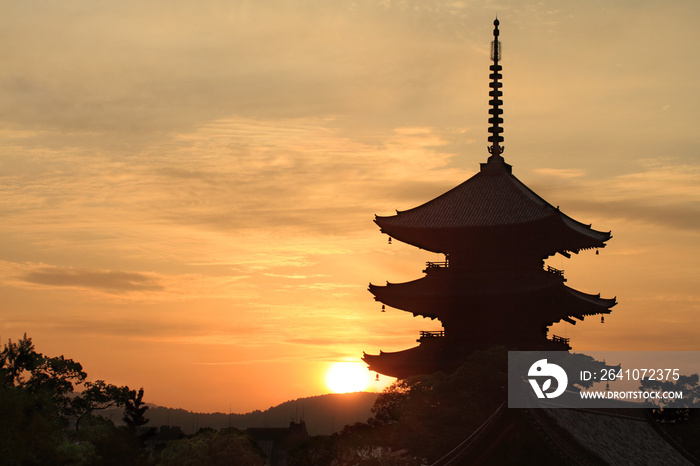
(344, 377)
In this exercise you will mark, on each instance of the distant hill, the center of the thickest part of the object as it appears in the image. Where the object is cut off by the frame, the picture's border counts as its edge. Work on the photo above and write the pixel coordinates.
(323, 414)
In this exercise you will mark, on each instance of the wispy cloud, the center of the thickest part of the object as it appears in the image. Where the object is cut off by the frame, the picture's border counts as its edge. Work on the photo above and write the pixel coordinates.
(663, 194)
(125, 286)
(113, 281)
(564, 173)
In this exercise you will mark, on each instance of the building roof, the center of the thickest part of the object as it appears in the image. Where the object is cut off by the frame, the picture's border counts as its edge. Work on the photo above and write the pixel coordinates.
(491, 199)
(421, 359)
(482, 200)
(438, 293)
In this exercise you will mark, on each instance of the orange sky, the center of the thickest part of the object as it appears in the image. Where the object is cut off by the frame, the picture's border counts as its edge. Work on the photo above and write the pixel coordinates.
(187, 189)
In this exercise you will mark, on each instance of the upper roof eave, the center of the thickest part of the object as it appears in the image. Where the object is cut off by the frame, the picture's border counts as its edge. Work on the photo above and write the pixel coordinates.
(485, 201)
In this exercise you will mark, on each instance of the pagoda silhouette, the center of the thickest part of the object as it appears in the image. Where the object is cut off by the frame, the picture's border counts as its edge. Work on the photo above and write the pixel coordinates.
(492, 289)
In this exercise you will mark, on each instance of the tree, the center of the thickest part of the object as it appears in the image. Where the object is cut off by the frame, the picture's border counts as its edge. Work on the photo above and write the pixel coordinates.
(97, 395)
(30, 432)
(37, 399)
(22, 367)
(134, 409)
(99, 441)
(227, 446)
(16, 359)
(679, 409)
(314, 451)
(429, 415)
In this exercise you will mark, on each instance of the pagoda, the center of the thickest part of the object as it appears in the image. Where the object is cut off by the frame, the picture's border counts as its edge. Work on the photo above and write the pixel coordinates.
(493, 287)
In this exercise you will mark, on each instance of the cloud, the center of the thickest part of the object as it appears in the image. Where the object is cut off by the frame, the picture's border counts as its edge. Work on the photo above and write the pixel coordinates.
(145, 71)
(116, 286)
(295, 276)
(230, 176)
(112, 281)
(564, 173)
(663, 194)
(674, 215)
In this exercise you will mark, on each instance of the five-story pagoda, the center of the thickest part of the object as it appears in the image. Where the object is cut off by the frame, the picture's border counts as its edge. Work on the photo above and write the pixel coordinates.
(492, 288)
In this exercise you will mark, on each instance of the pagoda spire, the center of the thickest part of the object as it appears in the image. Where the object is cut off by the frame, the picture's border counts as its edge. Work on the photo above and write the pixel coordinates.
(495, 149)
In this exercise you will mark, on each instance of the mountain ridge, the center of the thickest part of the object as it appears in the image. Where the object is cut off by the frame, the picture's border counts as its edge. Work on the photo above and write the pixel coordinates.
(323, 414)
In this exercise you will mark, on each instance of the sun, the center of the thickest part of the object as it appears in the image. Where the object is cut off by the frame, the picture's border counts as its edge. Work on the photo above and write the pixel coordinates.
(344, 377)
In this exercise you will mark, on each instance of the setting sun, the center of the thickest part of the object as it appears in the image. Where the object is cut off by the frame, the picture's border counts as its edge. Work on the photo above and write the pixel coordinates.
(344, 377)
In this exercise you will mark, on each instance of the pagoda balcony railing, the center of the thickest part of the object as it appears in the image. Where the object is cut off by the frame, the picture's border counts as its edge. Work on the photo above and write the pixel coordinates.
(436, 265)
(555, 271)
(428, 334)
(558, 339)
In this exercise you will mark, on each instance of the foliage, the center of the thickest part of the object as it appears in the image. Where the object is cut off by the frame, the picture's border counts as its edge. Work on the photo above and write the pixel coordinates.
(429, 415)
(38, 399)
(22, 367)
(688, 384)
(356, 444)
(16, 359)
(135, 409)
(29, 432)
(227, 446)
(576, 362)
(680, 412)
(99, 441)
(96, 395)
(314, 451)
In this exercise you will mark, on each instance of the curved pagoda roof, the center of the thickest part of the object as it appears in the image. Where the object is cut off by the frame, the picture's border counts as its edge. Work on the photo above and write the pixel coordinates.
(421, 359)
(490, 200)
(432, 296)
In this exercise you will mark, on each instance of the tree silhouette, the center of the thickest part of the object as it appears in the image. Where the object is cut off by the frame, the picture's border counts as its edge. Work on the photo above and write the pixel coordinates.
(689, 385)
(38, 397)
(134, 409)
(21, 366)
(97, 395)
(227, 446)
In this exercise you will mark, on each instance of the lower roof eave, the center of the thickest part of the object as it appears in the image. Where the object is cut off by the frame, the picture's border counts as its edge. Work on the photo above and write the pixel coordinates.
(421, 359)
